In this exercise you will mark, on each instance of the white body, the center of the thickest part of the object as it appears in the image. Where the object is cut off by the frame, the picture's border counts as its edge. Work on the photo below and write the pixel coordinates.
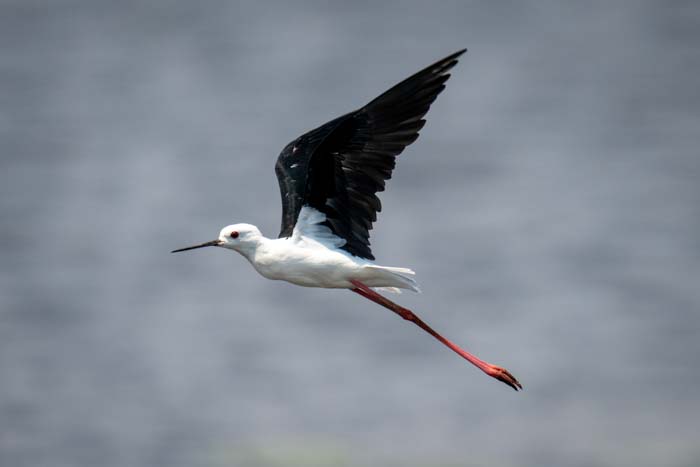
(311, 257)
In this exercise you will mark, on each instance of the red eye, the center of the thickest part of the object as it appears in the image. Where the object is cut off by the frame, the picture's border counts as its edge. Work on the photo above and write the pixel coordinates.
(234, 234)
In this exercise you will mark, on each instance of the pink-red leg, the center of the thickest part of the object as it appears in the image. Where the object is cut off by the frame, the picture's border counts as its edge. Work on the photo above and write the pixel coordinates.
(494, 371)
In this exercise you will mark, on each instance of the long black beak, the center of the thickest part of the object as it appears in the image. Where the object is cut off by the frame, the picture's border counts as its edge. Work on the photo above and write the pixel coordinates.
(216, 242)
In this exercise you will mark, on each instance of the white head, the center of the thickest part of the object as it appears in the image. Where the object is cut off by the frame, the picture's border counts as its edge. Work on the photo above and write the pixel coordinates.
(238, 237)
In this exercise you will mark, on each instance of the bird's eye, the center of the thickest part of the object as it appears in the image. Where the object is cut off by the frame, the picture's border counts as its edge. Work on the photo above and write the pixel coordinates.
(234, 234)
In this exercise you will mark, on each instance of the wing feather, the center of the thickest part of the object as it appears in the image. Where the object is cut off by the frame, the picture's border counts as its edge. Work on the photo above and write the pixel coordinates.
(339, 167)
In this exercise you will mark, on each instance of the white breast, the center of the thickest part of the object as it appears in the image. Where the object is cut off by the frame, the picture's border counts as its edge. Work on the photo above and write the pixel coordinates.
(301, 264)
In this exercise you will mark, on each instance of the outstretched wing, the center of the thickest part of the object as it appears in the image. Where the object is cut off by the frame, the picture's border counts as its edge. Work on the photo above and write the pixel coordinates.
(340, 166)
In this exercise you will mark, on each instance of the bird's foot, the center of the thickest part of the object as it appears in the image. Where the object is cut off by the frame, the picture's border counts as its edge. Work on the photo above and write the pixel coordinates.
(503, 375)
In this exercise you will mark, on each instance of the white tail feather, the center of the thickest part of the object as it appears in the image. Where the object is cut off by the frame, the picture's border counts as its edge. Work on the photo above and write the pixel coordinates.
(400, 276)
(387, 289)
(410, 272)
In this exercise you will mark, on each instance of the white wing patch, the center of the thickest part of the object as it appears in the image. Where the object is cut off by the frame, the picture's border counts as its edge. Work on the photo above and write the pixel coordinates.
(309, 230)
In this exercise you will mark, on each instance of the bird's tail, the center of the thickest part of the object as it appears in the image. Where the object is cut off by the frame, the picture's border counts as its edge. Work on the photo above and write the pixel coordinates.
(399, 278)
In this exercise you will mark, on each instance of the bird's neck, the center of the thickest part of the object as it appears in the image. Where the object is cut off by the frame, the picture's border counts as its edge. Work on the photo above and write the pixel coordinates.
(251, 246)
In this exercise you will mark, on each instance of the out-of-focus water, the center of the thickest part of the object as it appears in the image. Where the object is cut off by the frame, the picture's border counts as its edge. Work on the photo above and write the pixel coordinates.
(550, 208)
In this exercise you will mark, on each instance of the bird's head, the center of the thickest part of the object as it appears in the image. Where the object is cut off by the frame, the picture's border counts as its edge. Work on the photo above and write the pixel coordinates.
(233, 237)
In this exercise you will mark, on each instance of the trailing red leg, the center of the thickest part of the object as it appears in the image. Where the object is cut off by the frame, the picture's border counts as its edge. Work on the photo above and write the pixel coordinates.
(494, 371)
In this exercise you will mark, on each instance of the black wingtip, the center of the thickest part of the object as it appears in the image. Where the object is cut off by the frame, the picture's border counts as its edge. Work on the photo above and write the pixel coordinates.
(455, 55)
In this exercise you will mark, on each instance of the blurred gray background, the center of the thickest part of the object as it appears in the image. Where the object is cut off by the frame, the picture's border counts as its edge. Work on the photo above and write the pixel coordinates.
(550, 208)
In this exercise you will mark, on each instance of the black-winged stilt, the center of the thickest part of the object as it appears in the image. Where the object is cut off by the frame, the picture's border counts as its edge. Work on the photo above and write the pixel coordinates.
(328, 180)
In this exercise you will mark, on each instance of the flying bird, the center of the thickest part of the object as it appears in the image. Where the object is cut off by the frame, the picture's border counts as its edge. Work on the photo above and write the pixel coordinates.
(329, 179)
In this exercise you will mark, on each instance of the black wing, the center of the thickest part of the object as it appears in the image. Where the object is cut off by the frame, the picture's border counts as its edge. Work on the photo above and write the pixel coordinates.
(339, 167)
